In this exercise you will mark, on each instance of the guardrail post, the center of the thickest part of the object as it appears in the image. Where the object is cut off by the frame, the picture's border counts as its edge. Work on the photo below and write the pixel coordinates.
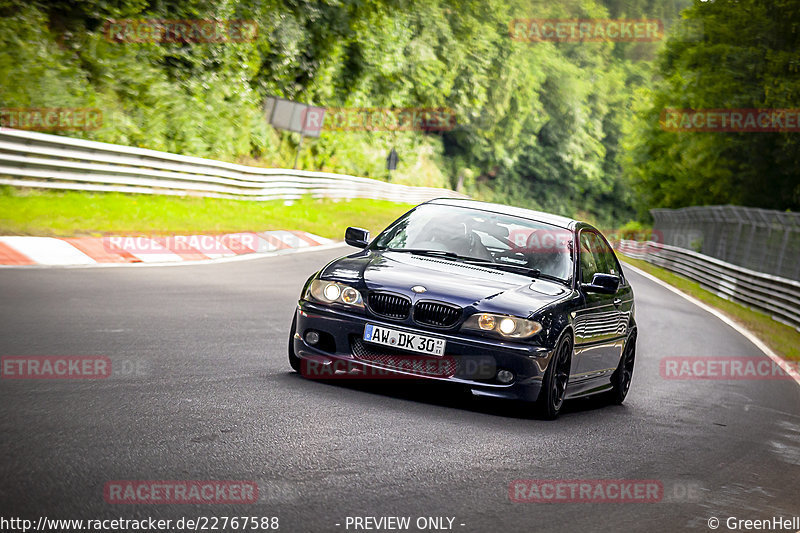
(750, 242)
(781, 254)
(736, 249)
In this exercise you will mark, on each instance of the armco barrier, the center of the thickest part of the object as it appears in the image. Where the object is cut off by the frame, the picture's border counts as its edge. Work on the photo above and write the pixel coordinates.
(778, 297)
(31, 159)
(766, 240)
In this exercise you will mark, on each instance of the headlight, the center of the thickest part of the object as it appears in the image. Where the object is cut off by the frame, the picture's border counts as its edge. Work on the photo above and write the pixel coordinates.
(334, 292)
(331, 292)
(351, 296)
(507, 326)
(510, 327)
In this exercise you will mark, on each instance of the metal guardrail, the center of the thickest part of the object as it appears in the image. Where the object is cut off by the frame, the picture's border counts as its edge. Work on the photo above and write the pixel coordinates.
(30, 159)
(776, 296)
(761, 239)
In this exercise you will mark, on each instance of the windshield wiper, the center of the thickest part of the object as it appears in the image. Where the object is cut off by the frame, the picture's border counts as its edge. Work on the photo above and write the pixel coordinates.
(532, 272)
(422, 251)
(528, 271)
(443, 254)
(477, 261)
(434, 253)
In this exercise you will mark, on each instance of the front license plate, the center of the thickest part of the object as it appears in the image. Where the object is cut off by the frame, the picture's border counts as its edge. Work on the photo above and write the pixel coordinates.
(406, 341)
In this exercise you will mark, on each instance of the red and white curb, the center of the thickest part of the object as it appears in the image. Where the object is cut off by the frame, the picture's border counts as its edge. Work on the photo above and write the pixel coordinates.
(131, 250)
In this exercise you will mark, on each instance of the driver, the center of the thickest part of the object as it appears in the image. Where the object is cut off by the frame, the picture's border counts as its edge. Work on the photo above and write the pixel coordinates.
(451, 235)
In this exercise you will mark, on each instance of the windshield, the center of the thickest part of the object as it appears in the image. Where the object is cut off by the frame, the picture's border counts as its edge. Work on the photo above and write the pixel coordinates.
(498, 240)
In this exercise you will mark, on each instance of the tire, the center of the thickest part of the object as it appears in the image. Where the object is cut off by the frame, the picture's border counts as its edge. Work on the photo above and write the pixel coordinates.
(556, 378)
(623, 375)
(294, 361)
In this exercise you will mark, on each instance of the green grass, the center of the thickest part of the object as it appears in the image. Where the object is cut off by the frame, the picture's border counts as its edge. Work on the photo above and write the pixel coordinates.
(783, 339)
(69, 214)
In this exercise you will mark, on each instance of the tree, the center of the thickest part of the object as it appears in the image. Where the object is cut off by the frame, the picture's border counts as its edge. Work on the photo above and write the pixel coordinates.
(747, 59)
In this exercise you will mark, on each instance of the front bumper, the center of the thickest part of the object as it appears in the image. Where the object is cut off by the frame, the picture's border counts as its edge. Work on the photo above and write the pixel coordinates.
(470, 361)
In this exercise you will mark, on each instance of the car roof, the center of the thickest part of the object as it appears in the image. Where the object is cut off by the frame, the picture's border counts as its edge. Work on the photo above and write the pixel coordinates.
(521, 212)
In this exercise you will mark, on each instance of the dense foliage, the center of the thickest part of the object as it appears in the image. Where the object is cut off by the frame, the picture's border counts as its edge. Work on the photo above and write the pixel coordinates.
(546, 125)
(749, 58)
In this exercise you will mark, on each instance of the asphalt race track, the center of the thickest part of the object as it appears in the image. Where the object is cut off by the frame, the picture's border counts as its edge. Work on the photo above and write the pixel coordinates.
(201, 389)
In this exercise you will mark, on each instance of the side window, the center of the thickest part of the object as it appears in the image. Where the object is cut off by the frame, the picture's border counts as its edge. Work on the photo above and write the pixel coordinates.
(596, 256)
(606, 262)
(588, 259)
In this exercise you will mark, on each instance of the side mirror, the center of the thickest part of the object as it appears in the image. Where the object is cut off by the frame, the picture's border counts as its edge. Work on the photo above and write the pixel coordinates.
(603, 284)
(356, 237)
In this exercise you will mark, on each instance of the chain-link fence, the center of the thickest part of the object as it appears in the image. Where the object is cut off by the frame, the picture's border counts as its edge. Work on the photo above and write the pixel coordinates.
(759, 239)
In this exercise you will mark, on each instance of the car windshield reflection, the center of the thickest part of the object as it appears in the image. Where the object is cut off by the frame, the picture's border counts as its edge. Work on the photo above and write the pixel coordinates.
(482, 238)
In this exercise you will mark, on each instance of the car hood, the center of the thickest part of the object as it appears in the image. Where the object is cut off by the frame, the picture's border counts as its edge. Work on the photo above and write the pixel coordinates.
(447, 281)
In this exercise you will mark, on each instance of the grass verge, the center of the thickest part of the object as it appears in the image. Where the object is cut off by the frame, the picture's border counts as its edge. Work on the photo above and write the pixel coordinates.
(70, 214)
(784, 340)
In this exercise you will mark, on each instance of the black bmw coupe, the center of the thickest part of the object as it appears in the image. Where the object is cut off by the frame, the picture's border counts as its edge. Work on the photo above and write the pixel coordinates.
(510, 303)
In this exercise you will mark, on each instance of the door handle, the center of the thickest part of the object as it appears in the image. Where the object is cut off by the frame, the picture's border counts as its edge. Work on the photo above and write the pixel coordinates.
(617, 302)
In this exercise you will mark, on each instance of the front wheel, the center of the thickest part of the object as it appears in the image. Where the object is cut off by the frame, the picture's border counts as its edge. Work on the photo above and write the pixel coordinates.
(294, 361)
(623, 375)
(554, 384)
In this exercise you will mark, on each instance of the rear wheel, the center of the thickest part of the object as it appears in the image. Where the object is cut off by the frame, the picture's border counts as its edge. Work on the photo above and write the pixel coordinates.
(294, 361)
(623, 375)
(554, 384)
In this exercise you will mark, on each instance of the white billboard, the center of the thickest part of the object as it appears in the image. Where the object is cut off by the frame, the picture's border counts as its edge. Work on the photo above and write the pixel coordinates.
(301, 118)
